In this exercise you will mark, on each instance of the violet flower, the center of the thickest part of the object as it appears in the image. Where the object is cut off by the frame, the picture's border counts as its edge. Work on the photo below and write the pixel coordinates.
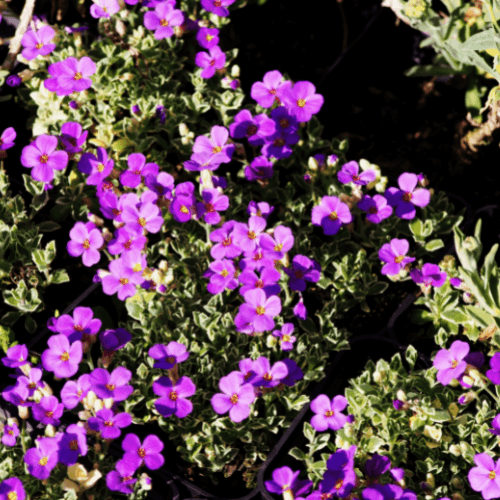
(97, 168)
(86, 240)
(340, 477)
(203, 161)
(147, 217)
(12, 488)
(210, 62)
(109, 424)
(494, 373)
(42, 459)
(260, 310)
(377, 465)
(225, 246)
(7, 138)
(122, 479)
(450, 363)
(147, 453)
(267, 376)
(430, 274)
(72, 443)
(300, 310)
(70, 75)
(104, 8)
(32, 381)
(17, 355)
(247, 236)
(271, 90)
(168, 356)
(121, 279)
(349, 173)
(328, 413)
(113, 340)
(278, 144)
(235, 398)
(254, 129)
(303, 268)
(162, 19)
(331, 213)
(72, 137)
(377, 208)
(217, 7)
(394, 254)
(114, 385)
(266, 282)
(42, 157)
(74, 392)
(261, 209)
(283, 480)
(279, 243)
(37, 43)
(216, 145)
(407, 197)
(486, 476)
(137, 170)
(172, 399)
(207, 37)
(10, 433)
(495, 424)
(213, 202)
(302, 101)
(221, 273)
(294, 373)
(61, 357)
(260, 168)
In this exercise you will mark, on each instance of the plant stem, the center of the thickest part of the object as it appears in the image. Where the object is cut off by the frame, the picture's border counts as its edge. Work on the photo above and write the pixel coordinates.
(490, 10)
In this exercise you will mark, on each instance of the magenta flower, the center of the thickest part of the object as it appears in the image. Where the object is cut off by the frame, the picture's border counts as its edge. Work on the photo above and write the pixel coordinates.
(213, 202)
(302, 101)
(247, 236)
(42, 459)
(72, 137)
(72, 443)
(260, 168)
(104, 8)
(303, 268)
(267, 281)
(254, 129)
(203, 161)
(12, 488)
(109, 424)
(147, 453)
(486, 476)
(183, 207)
(17, 395)
(97, 168)
(42, 157)
(168, 356)
(450, 363)
(284, 479)
(172, 399)
(494, 373)
(86, 240)
(217, 7)
(349, 173)
(267, 376)
(17, 355)
(147, 217)
(271, 90)
(61, 357)
(300, 310)
(10, 433)
(74, 392)
(221, 274)
(208, 37)
(82, 322)
(407, 197)
(70, 75)
(210, 62)
(7, 138)
(126, 241)
(429, 275)
(278, 144)
(279, 244)
(260, 310)
(48, 411)
(261, 209)
(122, 479)
(285, 336)
(32, 381)
(114, 385)
(377, 208)
(236, 397)
(340, 477)
(331, 213)
(394, 253)
(37, 43)
(328, 413)
(216, 145)
(137, 169)
(225, 246)
(256, 260)
(162, 19)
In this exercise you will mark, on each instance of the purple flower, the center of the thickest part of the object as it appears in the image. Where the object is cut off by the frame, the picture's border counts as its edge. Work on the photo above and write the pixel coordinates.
(221, 274)
(208, 37)
(302, 101)
(121, 279)
(72, 137)
(294, 373)
(235, 398)
(48, 411)
(283, 480)
(246, 369)
(109, 424)
(279, 244)
(328, 413)
(70, 75)
(10, 433)
(225, 247)
(183, 207)
(114, 385)
(260, 168)
(267, 376)
(97, 168)
(349, 173)
(377, 207)
(12, 488)
(147, 453)
(210, 62)
(260, 310)
(377, 465)
(407, 196)
(278, 144)
(213, 202)
(429, 275)
(261, 209)
(162, 19)
(168, 356)
(42, 459)
(394, 253)
(398, 404)
(486, 476)
(303, 268)
(17, 395)
(14, 81)
(74, 392)
(113, 340)
(216, 145)
(7, 138)
(86, 239)
(285, 336)
(247, 236)
(495, 423)
(61, 357)
(254, 129)
(203, 161)
(300, 310)
(36, 43)
(82, 322)
(451, 364)
(217, 7)
(340, 477)
(456, 282)
(104, 8)
(121, 479)
(137, 170)
(162, 184)
(494, 373)
(267, 281)
(42, 157)
(386, 491)
(172, 399)
(71, 444)
(271, 90)
(331, 213)
(147, 217)
(17, 355)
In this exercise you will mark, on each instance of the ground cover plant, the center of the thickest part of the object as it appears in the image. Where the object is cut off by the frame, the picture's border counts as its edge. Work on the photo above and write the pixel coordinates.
(115, 122)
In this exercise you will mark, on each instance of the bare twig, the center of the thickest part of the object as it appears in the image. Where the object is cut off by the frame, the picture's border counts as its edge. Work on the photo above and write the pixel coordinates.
(482, 135)
(15, 45)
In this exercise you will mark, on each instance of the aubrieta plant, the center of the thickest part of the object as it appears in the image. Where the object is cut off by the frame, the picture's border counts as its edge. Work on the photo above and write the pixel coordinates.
(217, 250)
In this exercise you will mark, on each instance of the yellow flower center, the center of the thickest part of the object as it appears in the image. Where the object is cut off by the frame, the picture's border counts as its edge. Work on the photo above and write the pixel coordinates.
(339, 484)
(267, 376)
(100, 167)
(64, 356)
(224, 273)
(226, 242)
(141, 452)
(301, 103)
(208, 38)
(259, 284)
(10, 433)
(86, 244)
(43, 461)
(126, 478)
(285, 338)
(108, 423)
(43, 159)
(137, 268)
(73, 445)
(39, 46)
(234, 399)
(123, 281)
(454, 363)
(329, 413)
(79, 392)
(277, 248)
(216, 149)
(407, 197)
(49, 413)
(272, 91)
(251, 235)
(333, 216)
(399, 259)
(164, 22)
(142, 221)
(492, 475)
(260, 310)
(78, 76)
(173, 396)
(184, 209)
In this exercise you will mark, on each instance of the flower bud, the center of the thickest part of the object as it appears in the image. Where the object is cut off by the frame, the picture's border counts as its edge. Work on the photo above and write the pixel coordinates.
(455, 450)
(401, 395)
(433, 433)
(453, 409)
(456, 483)
(429, 479)
(235, 71)
(50, 431)
(183, 129)
(349, 430)
(468, 298)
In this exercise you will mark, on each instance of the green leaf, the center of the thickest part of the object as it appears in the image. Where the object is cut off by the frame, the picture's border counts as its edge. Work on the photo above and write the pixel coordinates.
(417, 227)
(489, 263)
(431, 70)
(374, 444)
(440, 416)
(480, 316)
(455, 316)
(377, 288)
(309, 431)
(7, 336)
(298, 454)
(59, 276)
(30, 324)
(48, 226)
(473, 99)
(411, 356)
(33, 187)
(434, 245)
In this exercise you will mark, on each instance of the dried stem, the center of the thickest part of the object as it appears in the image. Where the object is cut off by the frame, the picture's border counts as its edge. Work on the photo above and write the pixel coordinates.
(482, 134)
